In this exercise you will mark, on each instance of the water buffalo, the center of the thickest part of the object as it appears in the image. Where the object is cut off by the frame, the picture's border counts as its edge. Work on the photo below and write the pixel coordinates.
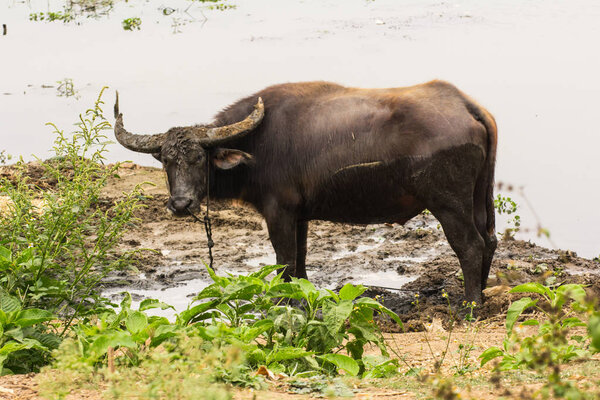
(318, 150)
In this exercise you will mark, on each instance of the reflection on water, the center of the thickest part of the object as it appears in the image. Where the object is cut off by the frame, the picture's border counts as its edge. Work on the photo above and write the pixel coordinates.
(530, 63)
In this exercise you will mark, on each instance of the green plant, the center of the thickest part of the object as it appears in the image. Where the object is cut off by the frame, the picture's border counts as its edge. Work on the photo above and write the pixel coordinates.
(181, 369)
(73, 9)
(57, 240)
(217, 5)
(463, 360)
(25, 341)
(463, 364)
(254, 312)
(506, 205)
(128, 329)
(66, 88)
(554, 343)
(50, 16)
(130, 24)
(4, 157)
(222, 7)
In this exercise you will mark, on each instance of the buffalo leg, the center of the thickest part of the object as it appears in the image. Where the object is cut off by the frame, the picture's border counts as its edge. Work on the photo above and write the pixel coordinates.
(301, 233)
(469, 246)
(282, 232)
(485, 222)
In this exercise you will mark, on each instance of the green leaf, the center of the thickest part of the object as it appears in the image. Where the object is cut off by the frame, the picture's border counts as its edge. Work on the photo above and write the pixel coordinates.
(530, 322)
(594, 331)
(533, 287)
(287, 353)
(516, 309)
(126, 302)
(32, 316)
(27, 343)
(569, 291)
(221, 281)
(264, 271)
(490, 354)
(287, 289)
(334, 315)
(210, 291)
(572, 322)
(241, 290)
(5, 254)
(306, 287)
(9, 303)
(373, 304)
(162, 333)
(379, 367)
(136, 322)
(351, 292)
(100, 345)
(193, 314)
(257, 328)
(148, 304)
(341, 361)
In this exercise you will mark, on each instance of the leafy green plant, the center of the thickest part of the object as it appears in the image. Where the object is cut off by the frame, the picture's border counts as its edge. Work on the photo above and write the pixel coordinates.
(254, 312)
(506, 205)
(4, 157)
(130, 330)
(462, 362)
(131, 24)
(183, 368)
(25, 342)
(57, 240)
(66, 88)
(50, 16)
(554, 343)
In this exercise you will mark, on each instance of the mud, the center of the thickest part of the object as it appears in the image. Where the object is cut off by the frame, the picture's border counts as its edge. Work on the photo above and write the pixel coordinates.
(409, 266)
(396, 262)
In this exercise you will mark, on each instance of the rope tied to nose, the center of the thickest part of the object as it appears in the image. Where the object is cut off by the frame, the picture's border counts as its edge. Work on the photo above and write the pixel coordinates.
(206, 221)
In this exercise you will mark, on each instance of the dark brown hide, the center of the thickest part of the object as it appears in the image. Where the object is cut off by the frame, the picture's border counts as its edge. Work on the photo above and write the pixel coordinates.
(324, 151)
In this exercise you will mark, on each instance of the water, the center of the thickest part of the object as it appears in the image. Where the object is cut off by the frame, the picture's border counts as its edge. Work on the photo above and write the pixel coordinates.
(534, 64)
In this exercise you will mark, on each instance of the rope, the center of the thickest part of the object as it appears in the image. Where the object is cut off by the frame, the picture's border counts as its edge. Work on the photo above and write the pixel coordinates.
(206, 221)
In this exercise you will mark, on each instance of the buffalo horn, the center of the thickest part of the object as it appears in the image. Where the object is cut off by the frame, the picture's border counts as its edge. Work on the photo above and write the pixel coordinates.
(219, 135)
(139, 143)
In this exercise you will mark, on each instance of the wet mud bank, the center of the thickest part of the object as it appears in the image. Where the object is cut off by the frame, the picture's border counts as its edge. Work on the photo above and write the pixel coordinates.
(399, 263)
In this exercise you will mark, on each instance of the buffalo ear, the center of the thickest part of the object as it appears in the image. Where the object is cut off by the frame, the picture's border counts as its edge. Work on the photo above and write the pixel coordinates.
(157, 156)
(230, 158)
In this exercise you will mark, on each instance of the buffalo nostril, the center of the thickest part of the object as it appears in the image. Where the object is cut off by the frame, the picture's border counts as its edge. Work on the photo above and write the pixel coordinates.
(181, 203)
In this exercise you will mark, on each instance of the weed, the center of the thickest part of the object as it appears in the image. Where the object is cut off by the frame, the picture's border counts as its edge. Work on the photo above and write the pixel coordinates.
(554, 343)
(217, 5)
(50, 16)
(73, 9)
(183, 370)
(4, 157)
(57, 244)
(222, 6)
(462, 362)
(131, 24)
(506, 205)
(66, 88)
(254, 312)
(25, 342)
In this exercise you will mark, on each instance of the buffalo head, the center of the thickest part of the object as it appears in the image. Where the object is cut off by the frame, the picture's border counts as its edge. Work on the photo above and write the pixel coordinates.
(189, 153)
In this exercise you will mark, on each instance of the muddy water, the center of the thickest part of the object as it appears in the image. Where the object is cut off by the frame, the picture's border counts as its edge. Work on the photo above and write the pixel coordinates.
(534, 64)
